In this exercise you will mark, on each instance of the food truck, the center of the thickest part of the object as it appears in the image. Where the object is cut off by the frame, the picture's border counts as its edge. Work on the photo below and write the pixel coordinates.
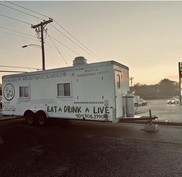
(96, 91)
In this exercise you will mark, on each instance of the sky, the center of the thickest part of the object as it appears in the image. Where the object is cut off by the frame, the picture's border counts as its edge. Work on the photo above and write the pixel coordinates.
(146, 36)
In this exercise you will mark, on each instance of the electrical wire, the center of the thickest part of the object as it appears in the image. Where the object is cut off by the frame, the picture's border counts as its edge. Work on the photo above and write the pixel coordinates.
(78, 42)
(10, 2)
(11, 71)
(54, 48)
(20, 11)
(69, 39)
(58, 50)
(63, 45)
(93, 54)
(18, 67)
(16, 31)
(6, 33)
(17, 35)
(12, 18)
(83, 47)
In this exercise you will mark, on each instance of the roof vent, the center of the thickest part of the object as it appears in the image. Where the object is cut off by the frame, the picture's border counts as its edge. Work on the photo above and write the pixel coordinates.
(79, 61)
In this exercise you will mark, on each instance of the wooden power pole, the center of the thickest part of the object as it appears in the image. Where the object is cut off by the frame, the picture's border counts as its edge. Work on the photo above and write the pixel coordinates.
(41, 28)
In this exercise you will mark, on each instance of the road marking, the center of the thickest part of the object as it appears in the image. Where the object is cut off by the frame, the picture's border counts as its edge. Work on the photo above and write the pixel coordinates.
(1, 140)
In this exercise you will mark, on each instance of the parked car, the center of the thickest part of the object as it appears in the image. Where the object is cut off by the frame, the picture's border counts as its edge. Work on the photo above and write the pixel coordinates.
(173, 101)
(139, 101)
(142, 102)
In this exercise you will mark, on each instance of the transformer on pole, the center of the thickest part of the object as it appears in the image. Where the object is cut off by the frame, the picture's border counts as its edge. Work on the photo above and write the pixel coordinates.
(40, 28)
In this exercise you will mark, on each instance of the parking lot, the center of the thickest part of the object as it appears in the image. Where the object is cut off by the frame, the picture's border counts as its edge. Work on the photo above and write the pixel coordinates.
(89, 149)
(165, 112)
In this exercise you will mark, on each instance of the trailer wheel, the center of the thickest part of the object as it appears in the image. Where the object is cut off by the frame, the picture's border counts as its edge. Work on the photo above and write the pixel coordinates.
(29, 117)
(40, 117)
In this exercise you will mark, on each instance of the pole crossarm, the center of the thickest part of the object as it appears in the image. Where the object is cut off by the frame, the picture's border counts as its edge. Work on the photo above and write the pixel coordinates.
(42, 23)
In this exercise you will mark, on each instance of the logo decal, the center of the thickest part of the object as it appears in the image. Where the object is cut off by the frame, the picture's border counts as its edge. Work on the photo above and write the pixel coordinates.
(9, 92)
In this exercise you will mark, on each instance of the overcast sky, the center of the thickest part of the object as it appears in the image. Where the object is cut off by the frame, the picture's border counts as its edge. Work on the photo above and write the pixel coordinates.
(145, 36)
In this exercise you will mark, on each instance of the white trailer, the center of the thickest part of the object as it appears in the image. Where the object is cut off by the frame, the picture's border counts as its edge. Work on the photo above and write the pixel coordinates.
(84, 91)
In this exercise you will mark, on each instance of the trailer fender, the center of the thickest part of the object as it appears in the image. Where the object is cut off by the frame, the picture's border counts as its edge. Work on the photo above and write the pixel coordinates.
(41, 117)
(29, 117)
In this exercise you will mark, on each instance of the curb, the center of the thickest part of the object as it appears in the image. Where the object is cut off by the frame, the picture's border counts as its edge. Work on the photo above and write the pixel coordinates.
(3, 119)
(155, 122)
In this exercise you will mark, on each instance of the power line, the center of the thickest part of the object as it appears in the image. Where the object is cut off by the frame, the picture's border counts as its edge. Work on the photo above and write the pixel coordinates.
(77, 40)
(58, 50)
(64, 45)
(85, 47)
(16, 31)
(8, 33)
(67, 37)
(11, 71)
(15, 19)
(26, 9)
(19, 11)
(81, 45)
(18, 67)
(17, 35)
(86, 50)
(55, 48)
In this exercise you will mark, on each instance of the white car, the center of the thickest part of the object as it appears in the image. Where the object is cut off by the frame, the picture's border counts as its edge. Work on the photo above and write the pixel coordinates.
(140, 102)
(173, 101)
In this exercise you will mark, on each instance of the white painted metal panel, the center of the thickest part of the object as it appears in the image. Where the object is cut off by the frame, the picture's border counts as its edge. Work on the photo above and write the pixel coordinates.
(92, 92)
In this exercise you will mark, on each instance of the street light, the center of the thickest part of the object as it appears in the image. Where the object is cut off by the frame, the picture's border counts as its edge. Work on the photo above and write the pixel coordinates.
(34, 45)
(43, 55)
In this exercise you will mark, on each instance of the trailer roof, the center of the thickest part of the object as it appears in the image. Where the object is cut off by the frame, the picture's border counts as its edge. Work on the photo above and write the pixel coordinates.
(69, 68)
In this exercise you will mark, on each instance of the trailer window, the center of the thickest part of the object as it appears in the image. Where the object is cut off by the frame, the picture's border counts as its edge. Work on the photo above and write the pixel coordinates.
(63, 89)
(24, 92)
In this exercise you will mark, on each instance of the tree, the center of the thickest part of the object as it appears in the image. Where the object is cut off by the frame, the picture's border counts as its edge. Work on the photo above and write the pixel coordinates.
(168, 88)
(164, 89)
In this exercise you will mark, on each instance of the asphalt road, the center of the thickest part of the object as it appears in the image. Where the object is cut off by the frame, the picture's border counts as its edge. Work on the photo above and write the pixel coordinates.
(88, 149)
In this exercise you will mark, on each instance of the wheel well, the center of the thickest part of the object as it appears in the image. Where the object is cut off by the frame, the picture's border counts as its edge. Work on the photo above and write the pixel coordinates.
(41, 113)
(28, 113)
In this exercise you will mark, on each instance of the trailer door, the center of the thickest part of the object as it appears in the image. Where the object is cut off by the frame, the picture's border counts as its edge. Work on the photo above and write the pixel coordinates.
(118, 94)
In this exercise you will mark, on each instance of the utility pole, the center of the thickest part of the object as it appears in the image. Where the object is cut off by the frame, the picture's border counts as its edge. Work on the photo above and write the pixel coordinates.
(131, 79)
(180, 79)
(40, 28)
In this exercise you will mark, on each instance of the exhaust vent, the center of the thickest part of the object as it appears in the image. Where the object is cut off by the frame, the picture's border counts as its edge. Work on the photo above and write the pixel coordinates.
(79, 61)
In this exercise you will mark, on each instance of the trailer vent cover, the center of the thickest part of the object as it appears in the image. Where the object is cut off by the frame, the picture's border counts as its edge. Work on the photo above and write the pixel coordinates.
(79, 61)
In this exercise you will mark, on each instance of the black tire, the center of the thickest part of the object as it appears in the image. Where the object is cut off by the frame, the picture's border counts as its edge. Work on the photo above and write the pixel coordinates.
(40, 118)
(29, 117)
